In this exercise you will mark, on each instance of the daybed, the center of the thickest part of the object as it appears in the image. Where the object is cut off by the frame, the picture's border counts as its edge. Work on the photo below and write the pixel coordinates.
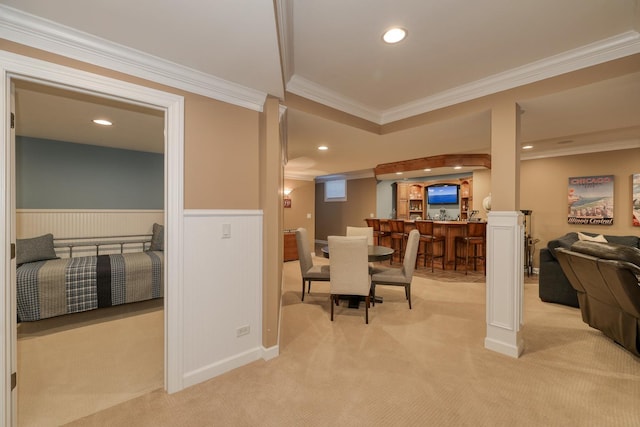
(605, 277)
(49, 286)
(553, 284)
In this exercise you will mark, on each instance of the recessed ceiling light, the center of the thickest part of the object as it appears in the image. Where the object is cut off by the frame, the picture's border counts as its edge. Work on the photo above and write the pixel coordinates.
(102, 122)
(527, 147)
(394, 35)
(323, 148)
(457, 167)
(427, 170)
(398, 173)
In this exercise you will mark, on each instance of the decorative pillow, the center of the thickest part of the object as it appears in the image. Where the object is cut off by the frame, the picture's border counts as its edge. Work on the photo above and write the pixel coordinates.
(35, 249)
(157, 240)
(599, 238)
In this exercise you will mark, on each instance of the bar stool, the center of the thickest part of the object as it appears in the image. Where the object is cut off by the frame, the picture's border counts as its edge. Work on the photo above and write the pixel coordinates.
(378, 234)
(475, 235)
(397, 235)
(429, 239)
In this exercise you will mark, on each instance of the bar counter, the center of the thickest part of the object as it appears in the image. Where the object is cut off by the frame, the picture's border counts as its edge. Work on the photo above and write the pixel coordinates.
(448, 229)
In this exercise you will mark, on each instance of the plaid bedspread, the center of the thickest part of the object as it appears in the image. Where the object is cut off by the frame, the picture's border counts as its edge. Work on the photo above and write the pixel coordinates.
(62, 286)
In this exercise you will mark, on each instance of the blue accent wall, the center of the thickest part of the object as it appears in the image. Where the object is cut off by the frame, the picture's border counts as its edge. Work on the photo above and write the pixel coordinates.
(63, 175)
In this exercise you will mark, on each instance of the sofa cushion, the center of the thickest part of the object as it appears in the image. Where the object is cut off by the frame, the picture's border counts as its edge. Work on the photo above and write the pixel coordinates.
(608, 251)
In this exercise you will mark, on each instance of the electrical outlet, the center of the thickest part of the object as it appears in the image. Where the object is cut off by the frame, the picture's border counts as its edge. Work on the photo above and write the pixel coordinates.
(243, 330)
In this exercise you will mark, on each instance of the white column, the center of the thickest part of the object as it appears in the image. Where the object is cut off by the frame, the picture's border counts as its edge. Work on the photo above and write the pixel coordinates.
(505, 282)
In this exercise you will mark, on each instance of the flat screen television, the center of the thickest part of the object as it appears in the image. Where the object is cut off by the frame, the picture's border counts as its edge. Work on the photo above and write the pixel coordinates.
(442, 194)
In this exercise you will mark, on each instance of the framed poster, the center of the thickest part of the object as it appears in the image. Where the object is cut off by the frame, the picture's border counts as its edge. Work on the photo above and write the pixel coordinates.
(590, 200)
(635, 199)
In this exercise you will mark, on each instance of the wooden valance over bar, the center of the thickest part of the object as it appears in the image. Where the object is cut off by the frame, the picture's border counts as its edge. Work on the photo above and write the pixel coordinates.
(445, 160)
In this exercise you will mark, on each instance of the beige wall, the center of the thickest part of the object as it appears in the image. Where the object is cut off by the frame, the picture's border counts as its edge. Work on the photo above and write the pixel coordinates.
(332, 218)
(303, 200)
(544, 185)
(221, 155)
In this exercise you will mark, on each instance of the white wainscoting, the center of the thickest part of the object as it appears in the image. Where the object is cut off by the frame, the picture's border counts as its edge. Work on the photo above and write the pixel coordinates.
(63, 223)
(222, 291)
(85, 222)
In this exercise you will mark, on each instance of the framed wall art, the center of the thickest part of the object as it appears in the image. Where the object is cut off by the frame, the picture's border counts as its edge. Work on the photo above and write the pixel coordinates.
(590, 200)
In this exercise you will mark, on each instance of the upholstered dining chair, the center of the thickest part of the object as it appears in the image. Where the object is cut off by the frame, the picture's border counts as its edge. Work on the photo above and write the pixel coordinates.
(361, 231)
(349, 269)
(310, 272)
(400, 276)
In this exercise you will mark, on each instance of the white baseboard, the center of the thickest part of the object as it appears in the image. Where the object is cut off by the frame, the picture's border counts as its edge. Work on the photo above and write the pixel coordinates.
(222, 366)
(271, 352)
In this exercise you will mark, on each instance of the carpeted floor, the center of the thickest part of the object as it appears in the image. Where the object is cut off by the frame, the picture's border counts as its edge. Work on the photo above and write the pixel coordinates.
(76, 365)
(420, 367)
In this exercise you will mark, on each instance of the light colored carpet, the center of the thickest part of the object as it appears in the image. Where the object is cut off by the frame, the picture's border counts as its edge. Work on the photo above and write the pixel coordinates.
(420, 367)
(76, 365)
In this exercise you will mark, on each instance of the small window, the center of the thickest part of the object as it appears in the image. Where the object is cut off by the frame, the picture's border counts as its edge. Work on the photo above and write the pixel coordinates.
(335, 191)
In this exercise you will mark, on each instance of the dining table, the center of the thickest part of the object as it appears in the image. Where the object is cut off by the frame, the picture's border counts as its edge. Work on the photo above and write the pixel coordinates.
(376, 253)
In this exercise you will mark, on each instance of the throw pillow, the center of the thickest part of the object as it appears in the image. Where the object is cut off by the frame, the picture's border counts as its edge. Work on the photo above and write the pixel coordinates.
(35, 249)
(157, 239)
(599, 238)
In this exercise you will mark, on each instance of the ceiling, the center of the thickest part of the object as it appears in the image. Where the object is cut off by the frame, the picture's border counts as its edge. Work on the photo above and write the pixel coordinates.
(331, 53)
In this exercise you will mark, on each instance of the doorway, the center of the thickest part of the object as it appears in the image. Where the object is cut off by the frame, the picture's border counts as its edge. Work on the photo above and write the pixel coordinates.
(15, 66)
(75, 178)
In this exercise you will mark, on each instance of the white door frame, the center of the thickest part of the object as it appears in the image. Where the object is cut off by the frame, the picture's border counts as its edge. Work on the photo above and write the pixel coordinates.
(26, 68)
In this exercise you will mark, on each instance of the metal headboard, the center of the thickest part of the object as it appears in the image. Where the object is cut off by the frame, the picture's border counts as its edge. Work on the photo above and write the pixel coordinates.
(102, 242)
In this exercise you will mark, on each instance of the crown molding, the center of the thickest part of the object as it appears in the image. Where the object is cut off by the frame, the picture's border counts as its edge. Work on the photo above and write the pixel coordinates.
(39, 33)
(315, 92)
(586, 149)
(609, 49)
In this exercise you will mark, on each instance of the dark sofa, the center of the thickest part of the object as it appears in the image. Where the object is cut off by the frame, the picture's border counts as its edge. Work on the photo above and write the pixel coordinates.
(606, 278)
(553, 284)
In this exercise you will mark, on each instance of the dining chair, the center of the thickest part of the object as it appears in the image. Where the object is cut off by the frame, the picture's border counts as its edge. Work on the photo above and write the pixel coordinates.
(475, 235)
(309, 272)
(400, 276)
(361, 231)
(349, 270)
(429, 239)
